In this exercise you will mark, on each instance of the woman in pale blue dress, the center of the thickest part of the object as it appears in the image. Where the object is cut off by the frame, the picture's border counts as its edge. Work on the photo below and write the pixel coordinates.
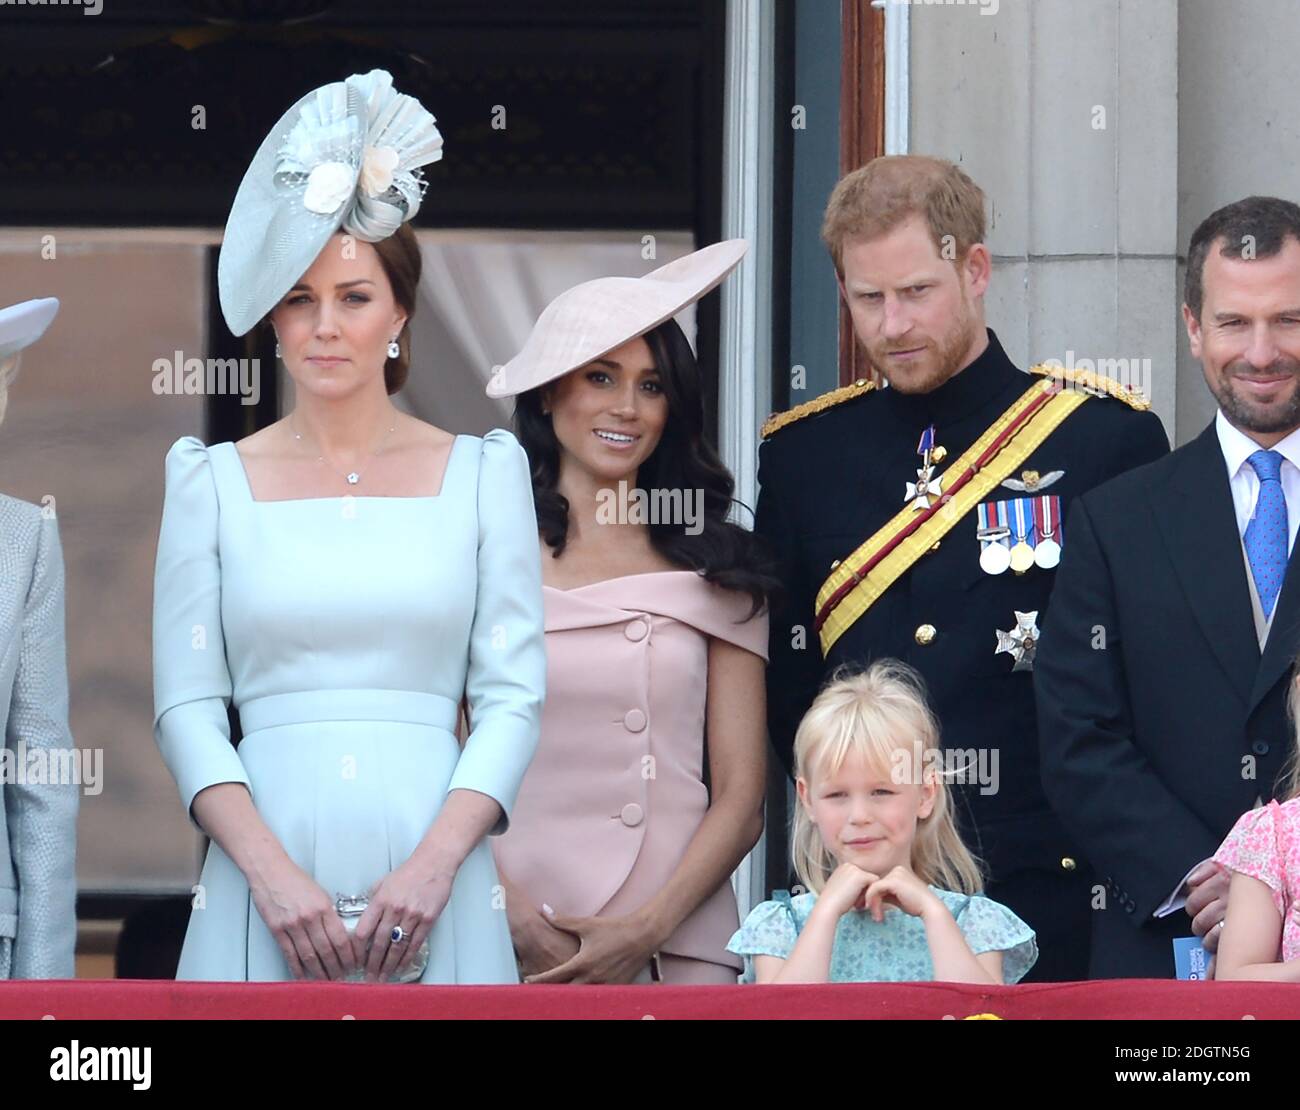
(345, 576)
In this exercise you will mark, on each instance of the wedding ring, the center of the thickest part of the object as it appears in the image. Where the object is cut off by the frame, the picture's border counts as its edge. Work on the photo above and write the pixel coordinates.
(397, 935)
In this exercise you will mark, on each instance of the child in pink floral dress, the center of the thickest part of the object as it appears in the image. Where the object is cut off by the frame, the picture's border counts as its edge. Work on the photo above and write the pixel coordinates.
(1261, 932)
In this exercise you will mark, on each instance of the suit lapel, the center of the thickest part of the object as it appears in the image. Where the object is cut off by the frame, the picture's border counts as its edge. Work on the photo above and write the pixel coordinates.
(1280, 647)
(1194, 511)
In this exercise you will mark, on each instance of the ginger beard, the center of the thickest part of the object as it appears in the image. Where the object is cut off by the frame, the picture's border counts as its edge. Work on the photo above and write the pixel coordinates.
(943, 357)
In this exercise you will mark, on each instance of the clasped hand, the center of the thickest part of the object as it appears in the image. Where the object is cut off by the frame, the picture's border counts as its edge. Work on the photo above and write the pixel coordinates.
(851, 887)
(304, 921)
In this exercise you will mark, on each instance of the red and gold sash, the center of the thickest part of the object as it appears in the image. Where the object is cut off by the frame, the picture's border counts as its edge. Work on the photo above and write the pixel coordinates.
(857, 581)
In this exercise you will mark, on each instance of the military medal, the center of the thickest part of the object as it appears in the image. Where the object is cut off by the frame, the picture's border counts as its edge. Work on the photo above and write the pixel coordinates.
(1021, 642)
(928, 485)
(1022, 552)
(1047, 522)
(1031, 481)
(992, 531)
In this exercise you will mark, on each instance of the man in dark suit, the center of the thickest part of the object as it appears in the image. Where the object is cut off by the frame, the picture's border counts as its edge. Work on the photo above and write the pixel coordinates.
(960, 597)
(1162, 679)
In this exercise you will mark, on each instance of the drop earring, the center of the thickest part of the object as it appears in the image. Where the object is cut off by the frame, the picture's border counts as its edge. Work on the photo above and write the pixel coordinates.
(393, 349)
(277, 348)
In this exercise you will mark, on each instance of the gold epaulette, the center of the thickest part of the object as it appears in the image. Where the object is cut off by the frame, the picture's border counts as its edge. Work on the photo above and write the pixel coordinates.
(779, 420)
(1094, 383)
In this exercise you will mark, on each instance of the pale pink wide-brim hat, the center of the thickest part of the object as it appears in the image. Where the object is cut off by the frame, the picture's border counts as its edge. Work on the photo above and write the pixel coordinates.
(596, 317)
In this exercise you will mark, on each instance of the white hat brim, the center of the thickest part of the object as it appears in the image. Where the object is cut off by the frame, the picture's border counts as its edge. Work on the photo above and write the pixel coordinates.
(590, 320)
(24, 323)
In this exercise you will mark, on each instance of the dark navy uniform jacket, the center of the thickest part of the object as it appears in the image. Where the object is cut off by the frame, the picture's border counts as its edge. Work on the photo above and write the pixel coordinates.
(829, 481)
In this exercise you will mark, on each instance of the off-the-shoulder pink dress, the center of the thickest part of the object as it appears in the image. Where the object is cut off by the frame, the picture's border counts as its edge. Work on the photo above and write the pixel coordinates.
(615, 791)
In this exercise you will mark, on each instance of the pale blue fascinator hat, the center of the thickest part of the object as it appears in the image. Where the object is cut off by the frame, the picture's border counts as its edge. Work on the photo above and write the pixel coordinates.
(24, 323)
(21, 325)
(347, 155)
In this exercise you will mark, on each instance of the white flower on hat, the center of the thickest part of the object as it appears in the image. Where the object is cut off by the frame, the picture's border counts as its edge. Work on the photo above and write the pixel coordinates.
(377, 166)
(345, 156)
(328, 186)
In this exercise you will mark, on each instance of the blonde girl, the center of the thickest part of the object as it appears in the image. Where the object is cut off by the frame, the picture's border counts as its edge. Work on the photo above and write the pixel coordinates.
(1261, 930)
(893, 894)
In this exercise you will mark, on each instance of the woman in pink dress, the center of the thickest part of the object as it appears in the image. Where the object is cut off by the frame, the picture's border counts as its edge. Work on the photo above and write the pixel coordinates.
(1261, 931)
(628, 824)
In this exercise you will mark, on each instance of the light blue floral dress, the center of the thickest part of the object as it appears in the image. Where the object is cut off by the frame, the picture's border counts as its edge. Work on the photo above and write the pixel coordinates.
(891, 951)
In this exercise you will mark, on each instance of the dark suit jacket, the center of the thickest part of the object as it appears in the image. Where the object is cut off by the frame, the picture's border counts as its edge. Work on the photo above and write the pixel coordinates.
(1159, 722)
(828, 482)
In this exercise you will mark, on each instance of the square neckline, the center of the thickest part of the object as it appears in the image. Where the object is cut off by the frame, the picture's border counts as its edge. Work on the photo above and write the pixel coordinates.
(446, 473)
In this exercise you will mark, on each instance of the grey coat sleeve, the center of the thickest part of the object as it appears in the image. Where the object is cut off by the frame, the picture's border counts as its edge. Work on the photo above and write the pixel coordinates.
(42, 817)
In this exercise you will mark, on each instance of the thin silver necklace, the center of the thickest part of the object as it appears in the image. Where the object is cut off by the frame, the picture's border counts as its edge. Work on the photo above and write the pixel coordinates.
(354, 476)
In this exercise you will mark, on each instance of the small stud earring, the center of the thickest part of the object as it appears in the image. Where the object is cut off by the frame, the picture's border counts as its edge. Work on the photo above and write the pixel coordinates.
(393, 349)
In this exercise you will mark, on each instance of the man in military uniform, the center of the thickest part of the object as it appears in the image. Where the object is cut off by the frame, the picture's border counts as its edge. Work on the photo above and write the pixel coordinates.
(923, 521)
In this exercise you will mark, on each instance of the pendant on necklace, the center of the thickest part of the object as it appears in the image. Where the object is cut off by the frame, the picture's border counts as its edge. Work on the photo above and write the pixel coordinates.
(353, 478)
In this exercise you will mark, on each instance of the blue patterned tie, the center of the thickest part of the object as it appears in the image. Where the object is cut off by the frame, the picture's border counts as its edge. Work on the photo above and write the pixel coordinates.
(1267, 535)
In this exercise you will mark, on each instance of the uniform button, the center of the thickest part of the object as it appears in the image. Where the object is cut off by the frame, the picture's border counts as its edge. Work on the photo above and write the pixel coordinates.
(1067, 863)
(635, 630)
(1260, 747)
(925, 634)
(634, 720)
(835, 564)
(631, 815)
(934, 546)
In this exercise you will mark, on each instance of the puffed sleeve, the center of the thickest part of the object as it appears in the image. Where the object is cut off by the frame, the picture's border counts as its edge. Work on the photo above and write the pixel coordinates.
(1251, 849)
(42, 816)
(989, 926)
(506, 679)
(769, 930)
(191, 682)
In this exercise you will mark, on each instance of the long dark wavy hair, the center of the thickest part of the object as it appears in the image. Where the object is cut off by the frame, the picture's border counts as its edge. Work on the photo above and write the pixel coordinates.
(722, 552)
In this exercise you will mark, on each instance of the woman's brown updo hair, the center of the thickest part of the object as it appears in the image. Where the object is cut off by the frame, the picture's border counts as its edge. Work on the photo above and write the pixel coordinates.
(399, 255)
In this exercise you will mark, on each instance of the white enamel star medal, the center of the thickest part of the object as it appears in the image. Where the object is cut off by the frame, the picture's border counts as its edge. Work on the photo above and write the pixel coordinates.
(1021, 642)
(928, 486)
